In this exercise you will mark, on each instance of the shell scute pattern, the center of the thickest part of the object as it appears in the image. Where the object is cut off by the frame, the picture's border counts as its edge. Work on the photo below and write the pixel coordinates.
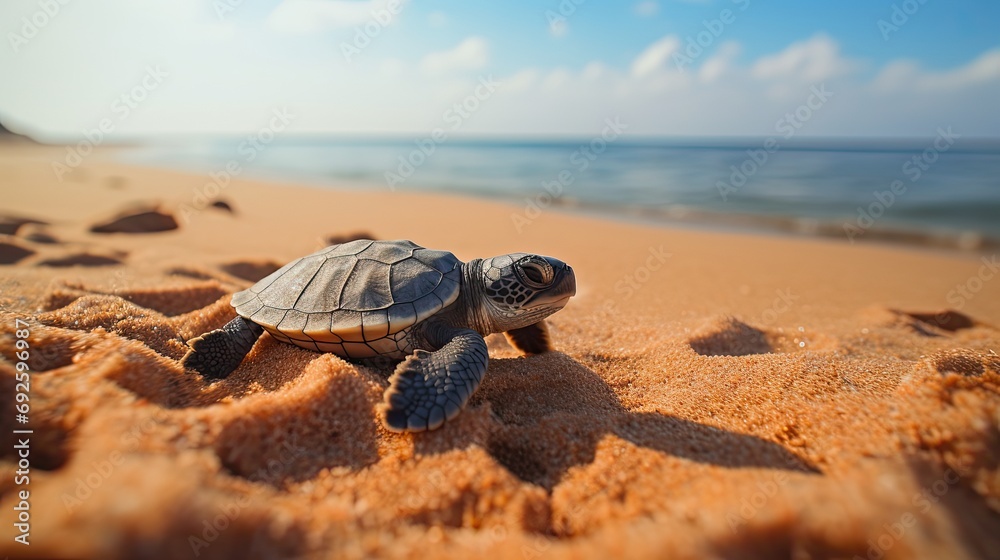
(318, 328)
(323, 293)
(401, 314)
(268, 316)
(367, 287)
(294, 321)
(353, 299)
(292, 283)
(389, 253)
(411, 279)
(350, 248)
(441, 261)
(375, 324)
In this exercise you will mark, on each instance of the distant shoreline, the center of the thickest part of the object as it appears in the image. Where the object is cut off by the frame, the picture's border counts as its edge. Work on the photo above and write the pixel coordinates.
(675, 215)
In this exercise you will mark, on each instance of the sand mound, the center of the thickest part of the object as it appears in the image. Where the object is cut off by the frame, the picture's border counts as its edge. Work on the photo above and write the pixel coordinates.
(551, 447)
(684, 414)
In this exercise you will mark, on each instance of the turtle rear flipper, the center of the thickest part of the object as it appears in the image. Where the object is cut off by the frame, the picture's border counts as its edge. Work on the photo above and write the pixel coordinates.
(216, 354)
(429, 388)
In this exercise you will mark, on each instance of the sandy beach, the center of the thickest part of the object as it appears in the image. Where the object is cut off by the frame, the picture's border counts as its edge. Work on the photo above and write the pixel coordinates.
(712, 395)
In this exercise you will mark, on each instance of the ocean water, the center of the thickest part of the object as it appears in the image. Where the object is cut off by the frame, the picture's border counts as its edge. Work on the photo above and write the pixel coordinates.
(938, 191)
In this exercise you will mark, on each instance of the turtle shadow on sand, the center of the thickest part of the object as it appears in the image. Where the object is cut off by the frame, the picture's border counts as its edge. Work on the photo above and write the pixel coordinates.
(553, 412)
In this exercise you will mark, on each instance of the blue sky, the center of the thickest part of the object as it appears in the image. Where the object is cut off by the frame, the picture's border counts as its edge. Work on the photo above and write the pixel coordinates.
(227, 64)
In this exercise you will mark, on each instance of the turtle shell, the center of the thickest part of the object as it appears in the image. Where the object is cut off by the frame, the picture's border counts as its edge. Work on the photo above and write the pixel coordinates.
(352, 298)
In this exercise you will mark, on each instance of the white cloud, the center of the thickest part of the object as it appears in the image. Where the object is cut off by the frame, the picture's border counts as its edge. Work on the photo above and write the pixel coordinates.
(907, 75)
(522, 81)
(392, 67)
(227, 77)
(720, 63)
(720, 96)
(655, 56)
(470, 54)
(812, 60)
(437, 19)
(304, 17)
(556, 78)
(646, 8)
(594, 71)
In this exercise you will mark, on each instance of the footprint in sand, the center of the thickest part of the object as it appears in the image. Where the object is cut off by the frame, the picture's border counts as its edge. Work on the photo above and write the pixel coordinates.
(37, 233)
(964, 362)
(728, 336)
(947, 320)
(148, 219)
(10, 225)
(12, 253)
(250, 270)
(192, 272)
(929, 324)
(83, 259)
(168, 301)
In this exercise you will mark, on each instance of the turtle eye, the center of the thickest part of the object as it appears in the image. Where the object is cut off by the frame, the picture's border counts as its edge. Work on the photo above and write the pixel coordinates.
(537, 274)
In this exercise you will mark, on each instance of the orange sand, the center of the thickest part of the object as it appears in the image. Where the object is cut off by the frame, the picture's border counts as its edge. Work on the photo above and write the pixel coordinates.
(745, 396)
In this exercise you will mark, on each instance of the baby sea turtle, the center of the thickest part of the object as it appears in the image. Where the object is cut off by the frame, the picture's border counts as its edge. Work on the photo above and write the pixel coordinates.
(395, 299)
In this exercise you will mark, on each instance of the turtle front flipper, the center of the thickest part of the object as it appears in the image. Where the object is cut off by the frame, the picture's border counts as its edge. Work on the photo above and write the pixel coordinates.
(533, 339)
(218, 353)
(431, 387)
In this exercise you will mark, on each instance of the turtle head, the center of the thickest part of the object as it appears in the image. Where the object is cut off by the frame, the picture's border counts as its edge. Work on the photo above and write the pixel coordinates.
(521, 289)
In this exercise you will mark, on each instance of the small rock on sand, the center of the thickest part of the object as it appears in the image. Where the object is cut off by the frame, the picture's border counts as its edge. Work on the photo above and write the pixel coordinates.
(138, 221)
(222, 205)
(250, 270)
(337, 239)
